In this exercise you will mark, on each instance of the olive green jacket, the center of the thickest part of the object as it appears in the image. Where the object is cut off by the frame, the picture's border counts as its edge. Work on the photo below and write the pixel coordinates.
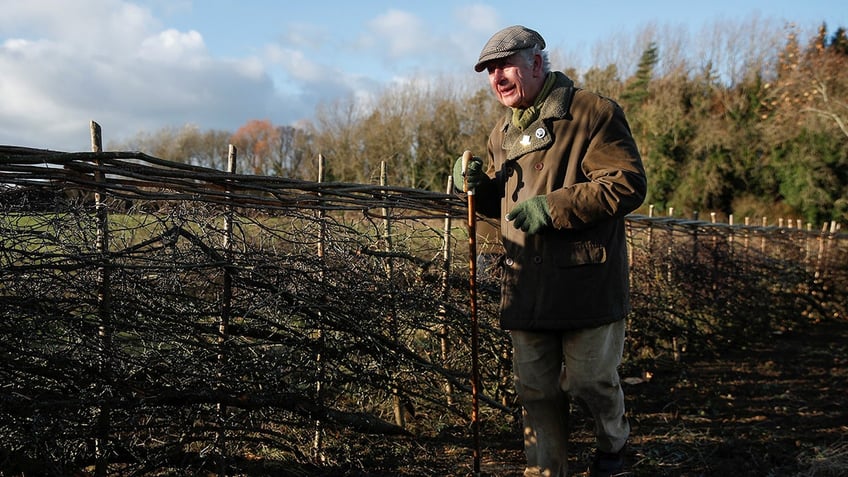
(580, 154)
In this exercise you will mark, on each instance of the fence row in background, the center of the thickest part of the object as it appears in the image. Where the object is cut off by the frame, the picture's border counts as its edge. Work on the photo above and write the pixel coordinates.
(159, 317)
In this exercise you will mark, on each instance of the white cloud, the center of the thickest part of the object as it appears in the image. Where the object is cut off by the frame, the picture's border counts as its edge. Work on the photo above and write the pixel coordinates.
(307, 36)
(401, 34)
(111, 61)
(120, 63)
(172, 45)
(296, 63)
(87, 25)
(479, 18)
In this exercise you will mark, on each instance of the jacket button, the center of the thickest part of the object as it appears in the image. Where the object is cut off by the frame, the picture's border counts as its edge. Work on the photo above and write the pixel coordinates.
(509, 262)
(537, 259)
(538, 166)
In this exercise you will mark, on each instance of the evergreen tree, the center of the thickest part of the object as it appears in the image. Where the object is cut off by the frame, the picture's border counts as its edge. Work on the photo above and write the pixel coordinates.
(838, 42)
(636, 90)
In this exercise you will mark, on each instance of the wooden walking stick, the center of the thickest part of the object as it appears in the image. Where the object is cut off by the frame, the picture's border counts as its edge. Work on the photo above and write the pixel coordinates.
(472, 274)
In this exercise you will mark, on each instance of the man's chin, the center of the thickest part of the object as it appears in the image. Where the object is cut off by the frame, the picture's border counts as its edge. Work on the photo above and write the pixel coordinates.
(510, 100)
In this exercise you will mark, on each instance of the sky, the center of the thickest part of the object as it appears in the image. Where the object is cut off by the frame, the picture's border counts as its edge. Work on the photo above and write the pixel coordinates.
(140, 66)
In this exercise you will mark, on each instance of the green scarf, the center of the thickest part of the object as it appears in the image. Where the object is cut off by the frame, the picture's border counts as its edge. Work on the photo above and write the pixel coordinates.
(521, 118)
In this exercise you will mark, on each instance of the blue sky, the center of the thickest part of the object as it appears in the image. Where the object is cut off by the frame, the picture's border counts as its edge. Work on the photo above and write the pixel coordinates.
(143, 65)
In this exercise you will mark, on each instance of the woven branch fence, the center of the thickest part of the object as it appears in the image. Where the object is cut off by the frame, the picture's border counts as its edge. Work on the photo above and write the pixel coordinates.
(163, 318)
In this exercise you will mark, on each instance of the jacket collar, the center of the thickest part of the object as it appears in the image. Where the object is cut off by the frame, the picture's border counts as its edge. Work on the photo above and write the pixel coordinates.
(538, 135)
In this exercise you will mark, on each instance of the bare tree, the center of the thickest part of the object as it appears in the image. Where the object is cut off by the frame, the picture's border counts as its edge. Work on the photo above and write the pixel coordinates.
(187, 144)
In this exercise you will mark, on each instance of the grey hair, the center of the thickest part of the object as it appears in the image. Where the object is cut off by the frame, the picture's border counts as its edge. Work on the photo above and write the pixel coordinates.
(530, 53)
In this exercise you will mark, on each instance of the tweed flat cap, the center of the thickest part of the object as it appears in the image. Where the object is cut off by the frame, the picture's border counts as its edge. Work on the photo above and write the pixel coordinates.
(506, 42)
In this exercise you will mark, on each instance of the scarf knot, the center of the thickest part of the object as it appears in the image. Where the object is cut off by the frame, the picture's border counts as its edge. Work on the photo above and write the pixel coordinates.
(521, 118)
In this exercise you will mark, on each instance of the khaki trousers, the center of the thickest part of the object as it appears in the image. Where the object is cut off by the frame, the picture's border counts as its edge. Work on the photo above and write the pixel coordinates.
(551, 366)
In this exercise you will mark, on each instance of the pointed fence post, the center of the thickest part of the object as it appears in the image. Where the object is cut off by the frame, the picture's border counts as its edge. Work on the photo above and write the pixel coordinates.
(318, 439)
(104, 309)
(387, 244)
(670, 252)
(226, 311)
(763, 236)
(444, 343)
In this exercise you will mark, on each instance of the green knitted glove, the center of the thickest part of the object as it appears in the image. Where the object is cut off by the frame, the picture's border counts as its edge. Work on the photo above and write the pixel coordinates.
(531, 216)
(475, 174)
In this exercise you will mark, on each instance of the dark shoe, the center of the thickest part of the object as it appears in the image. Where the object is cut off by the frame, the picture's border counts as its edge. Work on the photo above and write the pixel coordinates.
(607, 464)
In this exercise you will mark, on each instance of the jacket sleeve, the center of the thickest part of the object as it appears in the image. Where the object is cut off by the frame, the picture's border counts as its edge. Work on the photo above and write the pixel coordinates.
(616, 183)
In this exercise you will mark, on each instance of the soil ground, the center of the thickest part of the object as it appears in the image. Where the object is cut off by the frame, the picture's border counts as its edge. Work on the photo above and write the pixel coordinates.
(774, 408)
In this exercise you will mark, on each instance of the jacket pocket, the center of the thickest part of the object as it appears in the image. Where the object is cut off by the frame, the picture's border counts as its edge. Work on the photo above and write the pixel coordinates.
(581, 253)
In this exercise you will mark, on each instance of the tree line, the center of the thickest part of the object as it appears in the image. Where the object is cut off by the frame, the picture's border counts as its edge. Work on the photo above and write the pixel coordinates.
(752, 123)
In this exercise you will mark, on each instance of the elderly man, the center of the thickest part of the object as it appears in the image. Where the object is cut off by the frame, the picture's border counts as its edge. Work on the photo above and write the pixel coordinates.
(562, 172)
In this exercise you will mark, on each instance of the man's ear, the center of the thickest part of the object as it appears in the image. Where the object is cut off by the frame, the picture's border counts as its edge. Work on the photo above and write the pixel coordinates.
(537, 65)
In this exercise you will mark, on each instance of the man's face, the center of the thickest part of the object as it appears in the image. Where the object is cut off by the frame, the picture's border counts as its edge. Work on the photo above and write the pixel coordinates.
(514, 82)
